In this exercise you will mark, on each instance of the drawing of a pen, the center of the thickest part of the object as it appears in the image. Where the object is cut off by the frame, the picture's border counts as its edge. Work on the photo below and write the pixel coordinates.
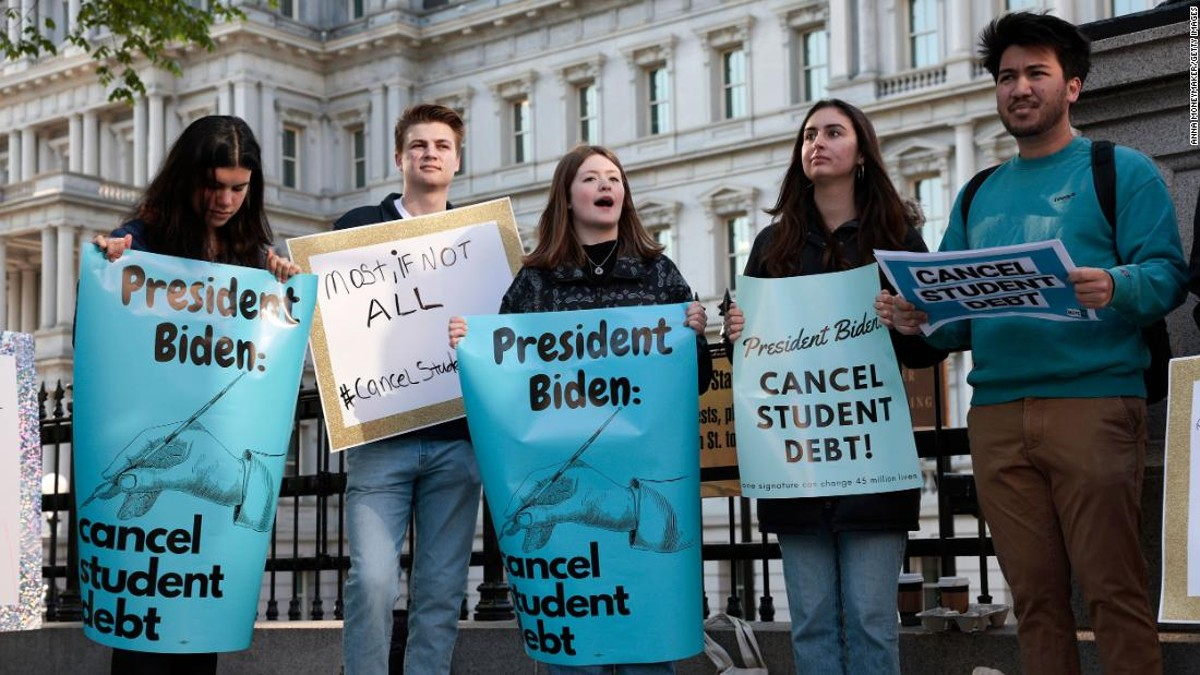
(153, 453)
(537, 494)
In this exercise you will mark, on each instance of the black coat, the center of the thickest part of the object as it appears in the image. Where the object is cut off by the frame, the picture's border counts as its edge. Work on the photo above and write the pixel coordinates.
(878, 511)
(632, 282)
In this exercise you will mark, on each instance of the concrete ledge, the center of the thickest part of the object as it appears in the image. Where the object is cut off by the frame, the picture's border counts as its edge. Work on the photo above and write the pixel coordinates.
(314, 647)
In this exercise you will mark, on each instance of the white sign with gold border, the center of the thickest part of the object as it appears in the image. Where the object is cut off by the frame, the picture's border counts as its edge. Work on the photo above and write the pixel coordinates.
(1180, 601)
(385, 294)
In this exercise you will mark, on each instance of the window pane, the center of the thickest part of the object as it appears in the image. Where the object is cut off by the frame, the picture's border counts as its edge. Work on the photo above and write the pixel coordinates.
(520, 117)
(360, 158)
(738, 245)
(734, 81)
(816, 65)
(932, 198)
(588, 114)
(289, 173)
(923, 32)
(659, 101)
(290, 157)
(1122, 7)
(662, 235)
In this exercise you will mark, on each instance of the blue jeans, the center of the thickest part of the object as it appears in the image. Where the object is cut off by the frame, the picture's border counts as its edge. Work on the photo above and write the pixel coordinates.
(438, 481)
(664, 668)
(841, 589)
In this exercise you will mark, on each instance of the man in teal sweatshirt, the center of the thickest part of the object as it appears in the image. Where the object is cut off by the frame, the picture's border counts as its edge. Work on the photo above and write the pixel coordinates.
(1057, 425)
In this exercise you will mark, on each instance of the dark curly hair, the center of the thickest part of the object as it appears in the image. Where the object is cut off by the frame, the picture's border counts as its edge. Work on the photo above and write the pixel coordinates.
(173, 225)
(1026, 29)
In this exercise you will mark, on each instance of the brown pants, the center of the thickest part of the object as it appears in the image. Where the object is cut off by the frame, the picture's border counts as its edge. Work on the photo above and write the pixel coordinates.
(1060, 483)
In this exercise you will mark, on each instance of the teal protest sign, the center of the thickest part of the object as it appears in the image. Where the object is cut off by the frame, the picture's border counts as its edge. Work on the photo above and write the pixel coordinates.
(186, 376)
(819, 403)
(585, 427)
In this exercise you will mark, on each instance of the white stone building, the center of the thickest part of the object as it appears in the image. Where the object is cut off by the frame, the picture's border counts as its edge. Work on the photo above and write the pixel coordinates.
(701, 99)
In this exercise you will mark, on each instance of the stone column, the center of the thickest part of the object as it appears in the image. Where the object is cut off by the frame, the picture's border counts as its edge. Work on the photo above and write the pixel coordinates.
(314, 174)
(868, 40)
(964, 152)
(224, 99)
(13, 315)
(106, 158)
(75, 143)
(49, 279)
(29, 14)
(29, 153)
(376, 131)
(246, 104)
(72, 14)
(841, 52)
(91, 143)
(1066, 11)
(139, 142)
(174, 128)
(65, 305)
(14, 31)
(14, 157)
(4, 324)
(395, 107)
(156, 133)
(268, 136)
(962, 33)
(29, 304)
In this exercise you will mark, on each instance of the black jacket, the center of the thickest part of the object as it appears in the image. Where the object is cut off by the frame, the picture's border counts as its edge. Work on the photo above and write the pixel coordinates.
(633, 282)
(386, 212)
(879, 511)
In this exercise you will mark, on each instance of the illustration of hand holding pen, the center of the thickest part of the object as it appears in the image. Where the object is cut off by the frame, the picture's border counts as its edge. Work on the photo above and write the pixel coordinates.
(572, 492)
(187, 459)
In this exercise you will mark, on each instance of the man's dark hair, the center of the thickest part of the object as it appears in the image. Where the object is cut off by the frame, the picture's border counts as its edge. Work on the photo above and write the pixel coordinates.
(1026, 29)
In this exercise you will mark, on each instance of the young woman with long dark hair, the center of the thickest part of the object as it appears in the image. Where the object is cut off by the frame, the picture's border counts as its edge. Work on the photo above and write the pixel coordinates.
(206, 203)
(841, 555)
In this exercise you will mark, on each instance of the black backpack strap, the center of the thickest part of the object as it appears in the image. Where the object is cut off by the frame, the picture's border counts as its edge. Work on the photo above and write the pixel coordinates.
(968, 194)
(1104, 179)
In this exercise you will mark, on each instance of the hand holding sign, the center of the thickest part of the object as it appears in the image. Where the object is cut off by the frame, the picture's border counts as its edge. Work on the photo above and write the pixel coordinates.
(1093, 286)
(458, 330)
(113, 247)
(897, 313)
(735, 322)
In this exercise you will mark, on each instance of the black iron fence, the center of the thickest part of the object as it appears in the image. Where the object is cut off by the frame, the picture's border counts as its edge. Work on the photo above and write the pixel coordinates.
(308, 549)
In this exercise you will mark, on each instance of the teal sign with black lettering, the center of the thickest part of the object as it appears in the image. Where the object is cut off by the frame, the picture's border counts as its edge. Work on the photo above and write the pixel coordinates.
(186, 375)
(585, 427)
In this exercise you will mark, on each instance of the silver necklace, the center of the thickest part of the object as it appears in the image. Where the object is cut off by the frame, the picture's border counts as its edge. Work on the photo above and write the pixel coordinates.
(598, 268)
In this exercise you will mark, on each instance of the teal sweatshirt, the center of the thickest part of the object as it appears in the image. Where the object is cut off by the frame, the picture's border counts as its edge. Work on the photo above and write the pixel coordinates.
(1030, 200)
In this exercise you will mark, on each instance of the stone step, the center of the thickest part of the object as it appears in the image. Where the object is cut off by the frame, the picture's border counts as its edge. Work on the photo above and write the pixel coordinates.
(314, 647)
